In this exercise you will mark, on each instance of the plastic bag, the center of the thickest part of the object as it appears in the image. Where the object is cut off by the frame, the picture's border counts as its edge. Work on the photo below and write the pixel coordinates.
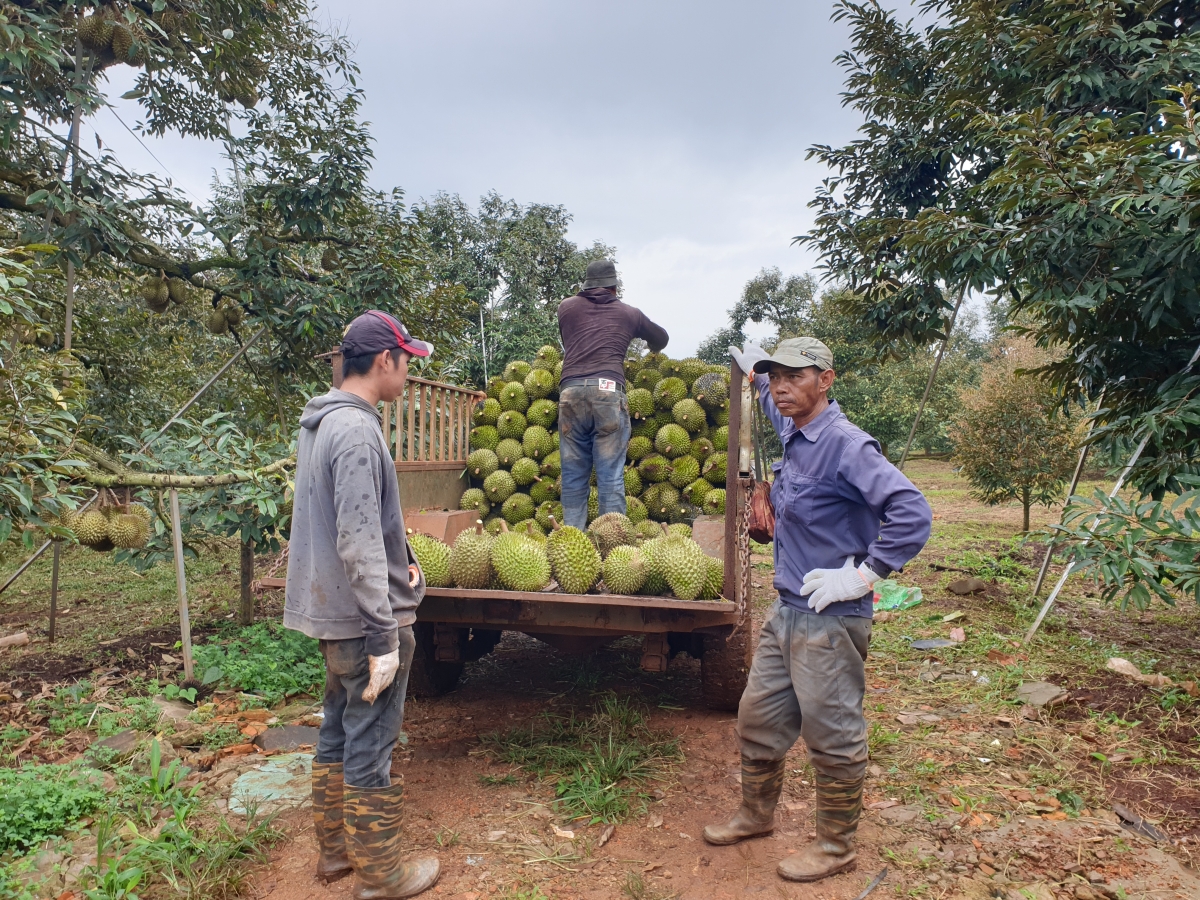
(893, 595)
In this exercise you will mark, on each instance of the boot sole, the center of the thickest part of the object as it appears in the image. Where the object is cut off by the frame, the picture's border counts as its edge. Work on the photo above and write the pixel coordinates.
(738, 839)
(335, 875)
(807, 879)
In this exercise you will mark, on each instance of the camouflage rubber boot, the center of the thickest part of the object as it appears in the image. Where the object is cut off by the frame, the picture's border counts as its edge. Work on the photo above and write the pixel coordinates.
(762, 782)
(373, 817)
(839, 804)
(327, 785)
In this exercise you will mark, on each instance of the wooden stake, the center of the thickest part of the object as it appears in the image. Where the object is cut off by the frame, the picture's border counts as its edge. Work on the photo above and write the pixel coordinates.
(246, 608)
(54, 589)
(185, 626)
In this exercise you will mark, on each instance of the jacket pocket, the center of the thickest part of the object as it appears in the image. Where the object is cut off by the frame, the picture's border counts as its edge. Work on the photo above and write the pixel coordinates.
(794, 502)
(609, 413)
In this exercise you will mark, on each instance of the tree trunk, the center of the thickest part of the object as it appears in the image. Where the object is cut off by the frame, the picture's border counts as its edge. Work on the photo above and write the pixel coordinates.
(1025, 504)
(246, 606)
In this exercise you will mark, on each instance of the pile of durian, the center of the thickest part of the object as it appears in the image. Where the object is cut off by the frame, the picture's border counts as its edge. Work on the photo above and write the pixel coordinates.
(110, 525)
(613, 556)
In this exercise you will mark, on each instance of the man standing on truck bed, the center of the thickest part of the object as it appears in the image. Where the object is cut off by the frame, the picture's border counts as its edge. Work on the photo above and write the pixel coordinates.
(353, 583)
(844, 518)
(593, 413)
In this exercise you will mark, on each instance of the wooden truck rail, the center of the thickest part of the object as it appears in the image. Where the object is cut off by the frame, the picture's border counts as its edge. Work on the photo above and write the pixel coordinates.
(429, 431)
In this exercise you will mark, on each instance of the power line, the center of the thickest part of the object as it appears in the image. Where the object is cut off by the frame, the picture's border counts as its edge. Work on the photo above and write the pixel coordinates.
(138, 138)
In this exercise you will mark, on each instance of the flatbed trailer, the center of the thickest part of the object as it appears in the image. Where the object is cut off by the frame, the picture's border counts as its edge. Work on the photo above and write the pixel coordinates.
(429, 429)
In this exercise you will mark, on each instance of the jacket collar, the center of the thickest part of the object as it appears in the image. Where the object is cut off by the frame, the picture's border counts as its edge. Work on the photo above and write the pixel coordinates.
(812, 431)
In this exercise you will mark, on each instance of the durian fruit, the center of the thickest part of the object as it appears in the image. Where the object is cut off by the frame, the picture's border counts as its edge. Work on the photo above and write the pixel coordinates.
(633, 481)
(433, 557)
(537, 442)
(714, 579)
(45, 337)
(471, 559)
(92, 528)
(633, 365)
(178, 290)
(517, 370)
(593, 506)
(573, 559)
(668, 392)
(720, 438)
(482, 463)
(499, 486)
(508, 451)
(672, 441)
(486, 412)
(711, 392)
(661, 501)
(96, 31)
(721, 417)
(647, 379)
(494, 386)
(639, 448)
(654, 468)
(688, 414)
(329, 259)
(517, 508)
(216, 323)
(552, 465)
(494, 524)
(641, 403)
(69, 518)
(511, 424)
(681, 529)
(683, 565)
(247, 95)
(543, 490)
(671, 368)
(680, 512)
(684, 471)
(513, 398)
(122, 44)
(714, 502)
(701, 449)
(476, 499)
(530, 529)
(656, 582)
(524, 471)
(714, 470)
(484, 437)
(610, 530)
(647, 530)
(520, 562)
(156, 293)
(691, 368)
(128, 532)
(697, 491)
(538, 384)
(624, 570)
(635, 510)
(546, 512)
(548, 356)
(543, 413)
(142, 512)
(234, 314)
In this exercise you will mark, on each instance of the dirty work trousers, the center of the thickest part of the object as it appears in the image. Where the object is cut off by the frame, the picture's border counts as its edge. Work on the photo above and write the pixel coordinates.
(594, 431)
(807, 680)
(358, 734)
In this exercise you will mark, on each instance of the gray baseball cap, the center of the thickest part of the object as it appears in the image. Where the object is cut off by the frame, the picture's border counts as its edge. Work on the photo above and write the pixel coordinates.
(600, 273)
(796, 353)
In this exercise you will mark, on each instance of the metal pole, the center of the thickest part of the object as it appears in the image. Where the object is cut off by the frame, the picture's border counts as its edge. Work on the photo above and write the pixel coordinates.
(912, 432)
(54, 589)
(483, 344)
(185, 626)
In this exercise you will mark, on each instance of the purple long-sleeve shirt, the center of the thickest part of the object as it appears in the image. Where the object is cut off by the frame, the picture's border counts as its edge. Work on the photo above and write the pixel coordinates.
(836, 495)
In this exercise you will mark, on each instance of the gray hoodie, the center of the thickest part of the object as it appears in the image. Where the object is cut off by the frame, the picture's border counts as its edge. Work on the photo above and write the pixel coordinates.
(348, 557)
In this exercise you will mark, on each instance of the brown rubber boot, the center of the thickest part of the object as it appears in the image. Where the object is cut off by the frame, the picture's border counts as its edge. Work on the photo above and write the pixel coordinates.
(327, 785)
(762, 782)
(839, 804)
(373, 817)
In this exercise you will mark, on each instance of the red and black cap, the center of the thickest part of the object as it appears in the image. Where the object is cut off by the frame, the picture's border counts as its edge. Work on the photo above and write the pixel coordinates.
(375, 331)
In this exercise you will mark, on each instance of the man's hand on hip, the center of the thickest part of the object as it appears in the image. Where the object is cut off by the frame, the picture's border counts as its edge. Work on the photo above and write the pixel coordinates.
(836, 585)
(383, 671)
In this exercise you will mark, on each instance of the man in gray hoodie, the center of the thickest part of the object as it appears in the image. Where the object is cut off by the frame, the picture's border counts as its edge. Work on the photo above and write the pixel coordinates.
(354, 584)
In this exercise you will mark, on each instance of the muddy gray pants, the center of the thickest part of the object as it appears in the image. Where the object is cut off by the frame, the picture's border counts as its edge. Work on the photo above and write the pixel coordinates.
(808, 680)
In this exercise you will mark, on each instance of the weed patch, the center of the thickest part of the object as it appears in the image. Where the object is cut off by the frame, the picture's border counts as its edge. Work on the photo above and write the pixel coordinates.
(266, 660)
(37, 802)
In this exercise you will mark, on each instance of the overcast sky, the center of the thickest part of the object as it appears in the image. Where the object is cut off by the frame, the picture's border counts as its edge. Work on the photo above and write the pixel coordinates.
(675, 132)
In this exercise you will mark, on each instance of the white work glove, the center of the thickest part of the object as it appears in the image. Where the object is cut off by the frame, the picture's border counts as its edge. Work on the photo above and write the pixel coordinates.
(748, 357)
(383, 671)
(834, 585)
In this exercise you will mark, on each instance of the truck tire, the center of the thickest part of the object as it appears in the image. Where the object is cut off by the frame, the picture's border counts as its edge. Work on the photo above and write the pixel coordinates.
(724, 668)
(428, 677)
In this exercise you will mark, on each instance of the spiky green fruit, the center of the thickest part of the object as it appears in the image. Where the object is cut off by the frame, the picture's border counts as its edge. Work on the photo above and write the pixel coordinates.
(681, 512)
(711, 392)
(672, 441)
(660, 499)
(520, 562)
(546, 511)
(714, 579)
(495, 385)
(714, 469)
(624, 570)
(593, 508)
(701, 449)
(652, 550)
(511, 424)
(543, 413)
(691, 368)
(721, 417)
(657, 360)
(517, 508)
(697, 491)
(499, 486)
(215, 322)
(92, 528)
(648, 379)
(671, 368)
(524, 471)
(471, 559)
(646, 428)
(714, 502)
(494, 524)
(508, 451)
(668, 392)
(635, 509)
(633, 481)
(552, 465)
(610, 530)
(573, 559)
(486, 412)
(648, 530)
(720, 438)
(633, 365)
(142, 512)
(95, 32)
(433, 557)
(514, 398)
(517, 370)
(654, 468)
(476, 499)
(482, 463)
(548, 354)
(537, 442)
(684, 471)
(680, 528)
(178, 290)
(484, 437)
(639, 448)
(641, 403)
(688, 414)
(683, 565)
(128, 532)
(531, 529)
(538, 384)
(122, 42)
(543, 490)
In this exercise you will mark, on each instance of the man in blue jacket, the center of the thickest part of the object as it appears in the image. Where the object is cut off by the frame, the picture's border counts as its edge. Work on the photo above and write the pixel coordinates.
(844, 518)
